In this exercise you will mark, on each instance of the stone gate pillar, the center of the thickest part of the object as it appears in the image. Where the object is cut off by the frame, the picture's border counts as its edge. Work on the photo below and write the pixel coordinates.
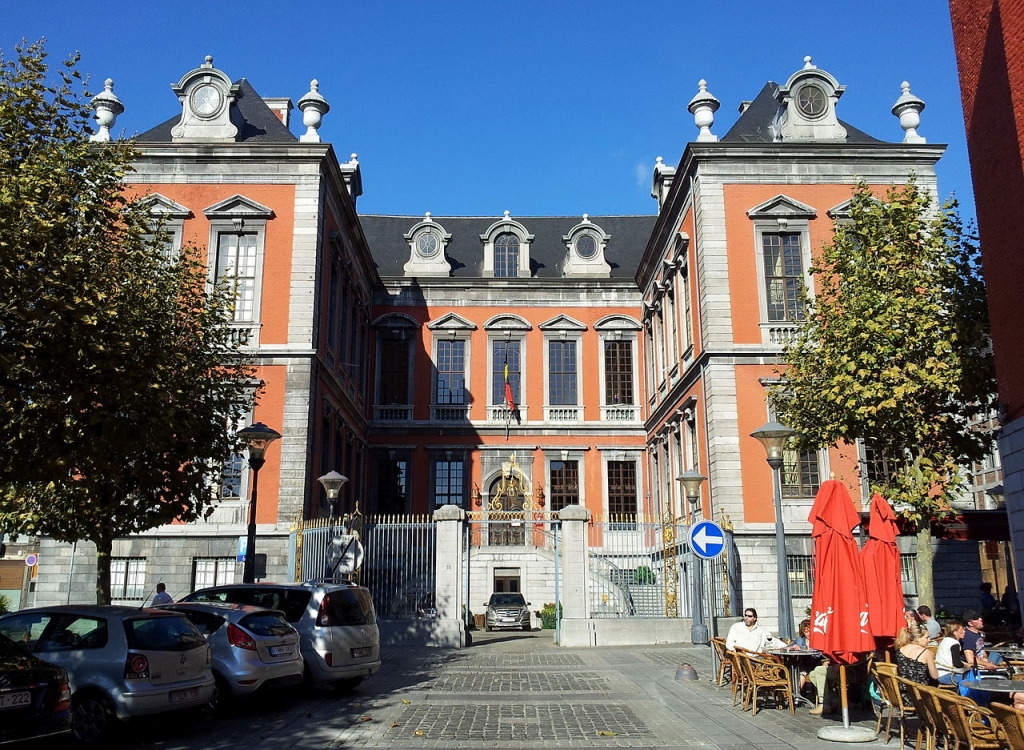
(575, 627)
(449, 629)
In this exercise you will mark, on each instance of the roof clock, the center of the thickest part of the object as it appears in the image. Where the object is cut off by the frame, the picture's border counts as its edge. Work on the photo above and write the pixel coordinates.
(807, 107)
(206, 95)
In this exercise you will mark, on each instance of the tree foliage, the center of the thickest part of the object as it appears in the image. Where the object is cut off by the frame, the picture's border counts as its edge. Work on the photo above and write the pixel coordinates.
(894, 349)
(118, 375)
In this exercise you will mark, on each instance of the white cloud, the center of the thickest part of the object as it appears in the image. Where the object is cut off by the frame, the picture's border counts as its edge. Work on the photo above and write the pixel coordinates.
(643, 174)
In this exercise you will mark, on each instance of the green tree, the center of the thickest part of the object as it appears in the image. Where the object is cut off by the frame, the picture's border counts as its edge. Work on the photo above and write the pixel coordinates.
(118, 377)
(894, 351)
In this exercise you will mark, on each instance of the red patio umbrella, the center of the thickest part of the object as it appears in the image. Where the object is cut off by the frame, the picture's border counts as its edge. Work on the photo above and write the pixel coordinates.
(881, 559)
(839, 612)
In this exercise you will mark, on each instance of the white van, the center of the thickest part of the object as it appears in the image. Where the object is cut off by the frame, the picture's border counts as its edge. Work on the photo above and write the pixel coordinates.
(337, 624)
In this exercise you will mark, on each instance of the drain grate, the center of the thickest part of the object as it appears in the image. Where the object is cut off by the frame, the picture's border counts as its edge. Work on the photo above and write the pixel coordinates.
(519, 723)
(511, 682)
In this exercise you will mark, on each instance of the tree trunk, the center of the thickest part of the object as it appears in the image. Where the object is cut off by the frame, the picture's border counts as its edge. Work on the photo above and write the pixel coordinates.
(103, 548)
(925, 583)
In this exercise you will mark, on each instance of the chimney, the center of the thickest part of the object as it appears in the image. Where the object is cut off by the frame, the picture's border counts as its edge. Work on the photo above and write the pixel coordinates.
(280, 106)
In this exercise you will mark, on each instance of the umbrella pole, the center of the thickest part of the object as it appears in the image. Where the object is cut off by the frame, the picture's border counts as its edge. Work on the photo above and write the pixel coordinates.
(844, 697)
(845, 733)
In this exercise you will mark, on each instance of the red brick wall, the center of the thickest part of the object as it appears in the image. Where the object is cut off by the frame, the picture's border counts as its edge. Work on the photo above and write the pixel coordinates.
(989, 40)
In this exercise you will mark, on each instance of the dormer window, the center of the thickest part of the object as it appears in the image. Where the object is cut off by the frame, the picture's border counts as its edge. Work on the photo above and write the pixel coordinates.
(427, 242)
(506, 256)
(585, 247)
(506, 249)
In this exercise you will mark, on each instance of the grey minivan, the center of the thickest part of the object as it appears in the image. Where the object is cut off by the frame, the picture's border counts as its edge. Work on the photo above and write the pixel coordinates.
(337, 624)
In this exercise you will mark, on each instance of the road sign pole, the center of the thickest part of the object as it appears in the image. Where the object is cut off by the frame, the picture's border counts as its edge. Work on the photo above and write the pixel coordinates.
(707, 540)
(698, 630)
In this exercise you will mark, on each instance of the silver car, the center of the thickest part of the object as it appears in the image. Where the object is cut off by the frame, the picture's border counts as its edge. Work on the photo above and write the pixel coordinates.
(507, 611)
(337, 624)
(122, 662)
(253, 648)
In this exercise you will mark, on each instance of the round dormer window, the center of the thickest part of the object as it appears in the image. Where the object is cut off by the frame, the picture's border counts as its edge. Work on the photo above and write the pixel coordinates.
(427, 244)
(586, 246)
(811, 101)
(206, 100)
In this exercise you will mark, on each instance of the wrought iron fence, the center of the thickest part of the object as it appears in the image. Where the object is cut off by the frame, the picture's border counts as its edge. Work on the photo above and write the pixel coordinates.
(399, 567)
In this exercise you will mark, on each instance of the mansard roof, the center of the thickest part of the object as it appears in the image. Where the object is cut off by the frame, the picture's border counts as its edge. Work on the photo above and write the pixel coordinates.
(259, 123)
(755, 124)
(386, 236)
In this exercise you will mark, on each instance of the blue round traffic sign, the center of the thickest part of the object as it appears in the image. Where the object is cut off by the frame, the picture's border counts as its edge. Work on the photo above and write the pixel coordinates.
(706, 539)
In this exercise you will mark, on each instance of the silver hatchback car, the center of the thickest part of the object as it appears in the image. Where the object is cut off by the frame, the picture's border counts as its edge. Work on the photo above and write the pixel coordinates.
(253, 648)
(122, 662)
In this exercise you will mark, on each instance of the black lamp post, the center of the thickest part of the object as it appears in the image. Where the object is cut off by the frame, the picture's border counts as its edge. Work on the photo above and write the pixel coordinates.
(773, 436)
(691, 482)
(257, 438)
(333, 482)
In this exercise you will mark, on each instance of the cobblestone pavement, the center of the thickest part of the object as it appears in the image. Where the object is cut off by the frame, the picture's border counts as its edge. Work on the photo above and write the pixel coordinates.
(506, 691)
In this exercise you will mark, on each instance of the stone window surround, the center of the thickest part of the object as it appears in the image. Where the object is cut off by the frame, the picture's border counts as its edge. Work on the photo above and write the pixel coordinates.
(503, 226)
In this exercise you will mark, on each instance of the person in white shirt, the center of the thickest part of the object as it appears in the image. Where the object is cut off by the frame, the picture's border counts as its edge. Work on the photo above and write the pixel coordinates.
(161, 596)
(934, 629)
(748, 634)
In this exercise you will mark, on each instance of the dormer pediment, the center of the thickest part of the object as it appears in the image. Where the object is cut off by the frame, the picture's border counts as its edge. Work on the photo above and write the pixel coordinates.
(562, 323)
(807, 106)
(451, 322)
(207, 99)
(782, 207)
(238, 206)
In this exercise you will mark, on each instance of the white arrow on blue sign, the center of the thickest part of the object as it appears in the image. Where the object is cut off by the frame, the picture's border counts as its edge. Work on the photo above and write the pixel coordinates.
(707, 540)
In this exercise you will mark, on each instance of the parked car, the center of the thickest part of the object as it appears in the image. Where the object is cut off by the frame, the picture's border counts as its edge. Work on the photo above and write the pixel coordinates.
(253, 648)
(122, 662)
(35, 697)
(507, 611)
(337, 624)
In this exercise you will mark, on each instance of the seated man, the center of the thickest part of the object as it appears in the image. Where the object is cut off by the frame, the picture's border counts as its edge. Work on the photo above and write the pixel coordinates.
(974, 652)
(748, 634)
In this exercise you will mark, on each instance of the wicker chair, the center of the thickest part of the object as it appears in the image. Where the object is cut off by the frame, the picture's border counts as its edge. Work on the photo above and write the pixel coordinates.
(930, 723)
(725, 663)
(767, 677)
(974, 727)
(1012, 722)
(893, 705)
(937, 722)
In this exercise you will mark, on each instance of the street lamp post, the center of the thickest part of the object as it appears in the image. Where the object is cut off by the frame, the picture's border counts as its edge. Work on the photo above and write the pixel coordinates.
(332, 482)
(773, 436)
(257, 438)
(691, 482)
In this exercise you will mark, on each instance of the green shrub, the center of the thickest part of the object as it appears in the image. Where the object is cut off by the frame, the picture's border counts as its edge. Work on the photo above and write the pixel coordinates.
(548, 616)
(5, 603)
(643, 575)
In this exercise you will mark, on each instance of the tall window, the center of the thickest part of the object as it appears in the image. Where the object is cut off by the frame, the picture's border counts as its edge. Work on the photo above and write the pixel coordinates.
(562, 373)
(448, 482)
(622, 488)
(451, 372)
(212, 571)
(801, 575)
(391, 486)
(506, 255)
(505, 353)
(332, 311)
(783, 276)
(684, 308)
(564, 486)
(618, 372)
(800, 476)
(394, 371)
(128, 578)
(236, 263)
(231, 486)
(880, 468)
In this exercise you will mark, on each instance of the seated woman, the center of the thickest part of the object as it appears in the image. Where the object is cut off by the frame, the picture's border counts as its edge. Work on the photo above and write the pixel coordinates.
(950, 656)
(914, 660)
(805, 663)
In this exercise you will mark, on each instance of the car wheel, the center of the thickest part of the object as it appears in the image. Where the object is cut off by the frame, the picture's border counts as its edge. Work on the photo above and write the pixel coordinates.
(347, 685)
(93, 718)
(527, 628)
(489, 628)
(221, 695)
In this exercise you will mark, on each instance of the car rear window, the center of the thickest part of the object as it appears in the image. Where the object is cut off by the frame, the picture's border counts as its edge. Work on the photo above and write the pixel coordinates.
(207, 622)
(292, 602)
(266, 623)
(162, 634)
(350, 607)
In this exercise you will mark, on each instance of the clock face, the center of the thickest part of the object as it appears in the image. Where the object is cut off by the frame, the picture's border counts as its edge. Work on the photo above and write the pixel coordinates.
(427, 244)
(586, 246)
(206, 100)
(811, 101)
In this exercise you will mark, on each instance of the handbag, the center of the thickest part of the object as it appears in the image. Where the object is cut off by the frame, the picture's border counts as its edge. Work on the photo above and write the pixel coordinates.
(980, 697)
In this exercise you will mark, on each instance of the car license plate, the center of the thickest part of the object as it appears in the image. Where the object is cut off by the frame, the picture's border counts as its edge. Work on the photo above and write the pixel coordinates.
(280, 650)
(180, 696)
(508, 619)
(361, 653)
(16, 700)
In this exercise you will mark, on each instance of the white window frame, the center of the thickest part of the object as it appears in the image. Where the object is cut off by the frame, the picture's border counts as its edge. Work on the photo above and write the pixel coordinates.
(619, 328)
(128, 577)
(563, 328)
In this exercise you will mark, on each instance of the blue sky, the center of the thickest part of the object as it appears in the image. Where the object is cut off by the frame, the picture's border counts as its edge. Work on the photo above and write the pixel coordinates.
(472, 107)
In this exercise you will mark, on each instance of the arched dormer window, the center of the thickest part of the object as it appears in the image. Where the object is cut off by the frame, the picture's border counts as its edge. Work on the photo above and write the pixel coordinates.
(506, 249)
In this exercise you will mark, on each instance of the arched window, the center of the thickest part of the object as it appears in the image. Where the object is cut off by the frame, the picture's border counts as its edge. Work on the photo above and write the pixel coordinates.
(506, 256)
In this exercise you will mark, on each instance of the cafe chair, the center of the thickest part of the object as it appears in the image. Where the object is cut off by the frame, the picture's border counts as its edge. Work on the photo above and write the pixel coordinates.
(1012, 722)
(767, 678)
(973, 727)
(893, 705)
(931, 725)
(725, 663)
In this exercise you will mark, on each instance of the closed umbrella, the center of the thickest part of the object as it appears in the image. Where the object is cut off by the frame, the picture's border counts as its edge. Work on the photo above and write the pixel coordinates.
(881, 559)
(839, 612)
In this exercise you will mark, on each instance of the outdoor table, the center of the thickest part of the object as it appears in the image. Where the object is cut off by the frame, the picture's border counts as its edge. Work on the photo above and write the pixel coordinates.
(995, 685)
(791, 657)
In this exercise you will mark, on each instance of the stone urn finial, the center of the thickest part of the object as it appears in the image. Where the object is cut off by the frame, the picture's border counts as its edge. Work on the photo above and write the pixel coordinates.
(313, 107)
(908, 108)
(107, 107)
(703, 107)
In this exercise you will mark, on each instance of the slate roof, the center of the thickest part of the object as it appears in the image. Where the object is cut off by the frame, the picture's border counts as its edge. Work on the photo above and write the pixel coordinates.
(261, 125)
(628, 236)
(754, 125)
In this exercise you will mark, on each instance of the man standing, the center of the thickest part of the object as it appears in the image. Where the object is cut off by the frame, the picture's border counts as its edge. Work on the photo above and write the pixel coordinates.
(975, 654)
(161, 596)
(934, 629)
(748, 634)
